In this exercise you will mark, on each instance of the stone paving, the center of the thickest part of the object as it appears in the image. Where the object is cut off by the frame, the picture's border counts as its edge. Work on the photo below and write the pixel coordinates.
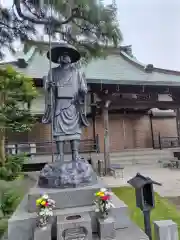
(169, 178)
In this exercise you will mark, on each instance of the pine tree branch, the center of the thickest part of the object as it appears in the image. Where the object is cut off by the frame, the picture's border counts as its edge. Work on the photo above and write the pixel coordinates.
(30, 10)
(84, 29)
(89, 46)
(9, 27)
(75, 13)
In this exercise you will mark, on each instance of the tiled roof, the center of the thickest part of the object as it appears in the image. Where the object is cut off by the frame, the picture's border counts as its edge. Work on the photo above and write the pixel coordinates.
(117, 68)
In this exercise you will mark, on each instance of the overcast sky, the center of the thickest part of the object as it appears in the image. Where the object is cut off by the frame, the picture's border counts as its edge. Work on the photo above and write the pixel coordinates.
(153, 29)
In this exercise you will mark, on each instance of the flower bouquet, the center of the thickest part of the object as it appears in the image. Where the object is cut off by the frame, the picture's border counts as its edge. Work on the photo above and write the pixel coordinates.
(103, 202)
(45, 207)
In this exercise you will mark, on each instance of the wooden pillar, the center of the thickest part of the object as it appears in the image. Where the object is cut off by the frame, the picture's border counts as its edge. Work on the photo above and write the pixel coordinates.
(106, 138)
(94, 122)
(152, 130)
(93, 111)
(178, 123)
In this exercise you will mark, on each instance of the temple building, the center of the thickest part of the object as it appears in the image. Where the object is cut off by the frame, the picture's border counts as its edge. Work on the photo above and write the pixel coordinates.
(130, 105)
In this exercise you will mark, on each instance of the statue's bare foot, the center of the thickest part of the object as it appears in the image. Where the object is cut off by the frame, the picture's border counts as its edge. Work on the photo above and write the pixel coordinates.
(59, 159)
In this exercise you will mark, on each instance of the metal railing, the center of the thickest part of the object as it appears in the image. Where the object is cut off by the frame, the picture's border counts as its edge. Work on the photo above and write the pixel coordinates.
(45, 148)
(166, 142)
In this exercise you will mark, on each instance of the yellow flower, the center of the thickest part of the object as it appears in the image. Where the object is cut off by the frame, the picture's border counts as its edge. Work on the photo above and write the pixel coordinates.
(38, 201)
(43, 203)
(100, 194)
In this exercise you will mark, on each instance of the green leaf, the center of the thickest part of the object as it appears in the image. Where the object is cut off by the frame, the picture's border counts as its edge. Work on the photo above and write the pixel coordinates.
(16, 92)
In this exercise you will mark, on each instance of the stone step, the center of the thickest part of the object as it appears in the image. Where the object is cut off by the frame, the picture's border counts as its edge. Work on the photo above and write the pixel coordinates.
(130, 233)
(141, 157)
(129, 163)
(95, 156)
(148, 149)
(82, 224)
(145, 160)
(142, 153)
(135, 160)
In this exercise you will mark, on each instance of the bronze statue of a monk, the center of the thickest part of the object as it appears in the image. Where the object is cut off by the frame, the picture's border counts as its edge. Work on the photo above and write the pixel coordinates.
(66, 107)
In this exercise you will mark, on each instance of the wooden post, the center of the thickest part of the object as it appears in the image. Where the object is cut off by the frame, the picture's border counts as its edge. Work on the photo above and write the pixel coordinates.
(93, 111)
(152, 130)
(106, 138)
(178, 123)
(94, 121)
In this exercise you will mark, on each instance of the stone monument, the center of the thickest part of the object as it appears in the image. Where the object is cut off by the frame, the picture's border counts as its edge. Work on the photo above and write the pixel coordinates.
(72, 184)
(66, 89)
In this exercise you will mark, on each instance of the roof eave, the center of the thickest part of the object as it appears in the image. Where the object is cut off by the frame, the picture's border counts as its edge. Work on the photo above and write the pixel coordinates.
(132, 82)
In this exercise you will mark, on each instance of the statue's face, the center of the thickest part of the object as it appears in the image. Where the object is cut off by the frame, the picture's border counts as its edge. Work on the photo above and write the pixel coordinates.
(64, 59)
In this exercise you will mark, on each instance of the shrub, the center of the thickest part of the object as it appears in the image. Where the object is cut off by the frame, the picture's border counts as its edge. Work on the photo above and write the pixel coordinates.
(9, 201)
(3, 226)
(12, 167)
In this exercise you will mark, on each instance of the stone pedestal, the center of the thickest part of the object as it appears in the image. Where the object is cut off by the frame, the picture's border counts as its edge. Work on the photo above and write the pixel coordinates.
(64, 198)
(107, 228)
(67, 175)
(43, 233)
(74, 226)
(165, 230)
(22, 223)
(70, 202)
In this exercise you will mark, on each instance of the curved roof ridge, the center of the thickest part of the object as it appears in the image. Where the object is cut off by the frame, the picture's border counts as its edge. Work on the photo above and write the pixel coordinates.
(167, 71)
(134, 61)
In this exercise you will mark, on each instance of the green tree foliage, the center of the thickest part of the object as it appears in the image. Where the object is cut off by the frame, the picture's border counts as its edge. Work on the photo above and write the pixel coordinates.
(16, 93)
(89, 25)
(12, 28)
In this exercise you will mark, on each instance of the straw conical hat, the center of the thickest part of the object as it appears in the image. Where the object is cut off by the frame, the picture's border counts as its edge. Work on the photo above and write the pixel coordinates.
(61, 49)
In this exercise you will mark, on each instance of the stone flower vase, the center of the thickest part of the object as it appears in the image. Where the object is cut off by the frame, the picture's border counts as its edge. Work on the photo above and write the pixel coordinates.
(103, 215)
(42, 222)
(103, 211)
